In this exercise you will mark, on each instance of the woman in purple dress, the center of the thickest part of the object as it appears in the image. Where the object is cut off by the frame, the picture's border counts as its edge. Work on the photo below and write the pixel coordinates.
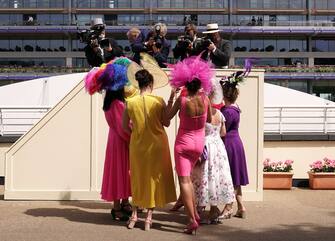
(233, 143)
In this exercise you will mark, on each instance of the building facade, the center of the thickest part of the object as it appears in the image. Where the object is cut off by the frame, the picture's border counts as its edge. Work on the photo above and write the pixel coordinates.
(296, 34)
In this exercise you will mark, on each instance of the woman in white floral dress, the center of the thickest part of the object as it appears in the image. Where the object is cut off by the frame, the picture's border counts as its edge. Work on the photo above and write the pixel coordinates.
(211, 177)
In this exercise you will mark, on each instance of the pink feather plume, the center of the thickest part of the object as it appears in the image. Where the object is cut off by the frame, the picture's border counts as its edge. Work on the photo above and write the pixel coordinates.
(189, 69)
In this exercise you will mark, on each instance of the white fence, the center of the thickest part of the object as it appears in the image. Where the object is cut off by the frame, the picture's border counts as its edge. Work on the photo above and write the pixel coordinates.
(299, 119)
(17, 120)
(277, 119)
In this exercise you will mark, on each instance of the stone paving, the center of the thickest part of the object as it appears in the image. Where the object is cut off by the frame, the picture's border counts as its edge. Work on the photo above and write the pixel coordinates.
(295, 215)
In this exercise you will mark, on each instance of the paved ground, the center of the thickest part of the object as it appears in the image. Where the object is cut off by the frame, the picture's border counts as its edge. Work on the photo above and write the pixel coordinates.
(296, 215)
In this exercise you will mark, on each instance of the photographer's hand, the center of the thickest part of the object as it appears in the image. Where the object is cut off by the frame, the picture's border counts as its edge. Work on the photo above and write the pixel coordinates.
(211, 47)
(155, 49)
(109, 48)
(94, 43)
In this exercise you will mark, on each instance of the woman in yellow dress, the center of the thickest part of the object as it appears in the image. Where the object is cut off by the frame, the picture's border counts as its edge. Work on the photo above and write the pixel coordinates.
(151, 172)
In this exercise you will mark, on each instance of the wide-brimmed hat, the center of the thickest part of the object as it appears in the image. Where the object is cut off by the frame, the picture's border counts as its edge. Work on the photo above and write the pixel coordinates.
(212, 28)
(161, 79)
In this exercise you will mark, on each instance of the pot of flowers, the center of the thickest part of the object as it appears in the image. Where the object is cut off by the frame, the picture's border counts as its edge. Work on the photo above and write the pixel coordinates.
(277, 174)
(322, 174)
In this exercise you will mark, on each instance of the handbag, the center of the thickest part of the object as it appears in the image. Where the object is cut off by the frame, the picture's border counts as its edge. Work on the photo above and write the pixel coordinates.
(204, 154)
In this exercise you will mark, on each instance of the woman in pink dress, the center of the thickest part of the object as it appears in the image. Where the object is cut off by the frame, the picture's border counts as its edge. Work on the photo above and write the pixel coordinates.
(116, 179)
(194, 74)
(112, 78)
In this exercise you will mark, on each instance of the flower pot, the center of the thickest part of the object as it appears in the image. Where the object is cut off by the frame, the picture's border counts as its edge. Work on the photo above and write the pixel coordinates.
(277, 180)
(321, 180)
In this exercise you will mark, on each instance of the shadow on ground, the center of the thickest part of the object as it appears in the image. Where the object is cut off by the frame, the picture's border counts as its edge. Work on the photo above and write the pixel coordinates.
(164, 221)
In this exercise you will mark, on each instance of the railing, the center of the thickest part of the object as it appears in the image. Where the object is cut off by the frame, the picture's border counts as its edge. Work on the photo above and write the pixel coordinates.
(299, 119)
(277, 119)
(17, 120)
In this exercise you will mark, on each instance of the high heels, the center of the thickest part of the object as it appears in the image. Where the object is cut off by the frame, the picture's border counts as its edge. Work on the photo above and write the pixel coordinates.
(178, 205)
(119, 215)
(147, 224)
(241, 214)
(226, 214)
(131, 223)
(191, 227)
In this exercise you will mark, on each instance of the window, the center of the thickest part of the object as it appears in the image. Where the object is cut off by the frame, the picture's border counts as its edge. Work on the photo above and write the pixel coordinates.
(283, 4)
(320, 4)
(4, 4)
(191, 4)
(164, 4)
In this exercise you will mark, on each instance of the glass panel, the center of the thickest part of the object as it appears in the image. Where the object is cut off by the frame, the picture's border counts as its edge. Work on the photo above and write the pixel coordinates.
(320, 45)
(137, 4)
(283, 4)
(243, 4)
(297, 4)
(4, 19)
(283, 45)
(164, 4)
(270, 45)
(256, 45)
(4, 45)
(331, 4)
(83, 4)
(269, 4)
(256, 4)
(4, 4)
(123, 3)
(177, 4)
(191, 4)
(320, 4)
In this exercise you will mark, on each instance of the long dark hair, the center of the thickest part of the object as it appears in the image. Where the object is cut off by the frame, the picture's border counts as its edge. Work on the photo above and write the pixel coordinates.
(112, 95)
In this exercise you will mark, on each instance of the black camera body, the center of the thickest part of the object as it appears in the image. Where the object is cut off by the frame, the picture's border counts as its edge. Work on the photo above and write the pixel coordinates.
(203, 43)
(87, 35)
(184, 41)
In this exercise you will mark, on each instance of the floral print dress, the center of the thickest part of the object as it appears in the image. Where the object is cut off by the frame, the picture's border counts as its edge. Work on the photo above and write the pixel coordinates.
(211, 178)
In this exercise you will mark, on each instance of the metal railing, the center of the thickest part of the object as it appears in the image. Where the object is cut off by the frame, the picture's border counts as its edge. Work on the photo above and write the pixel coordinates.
(17, 120)
(299, 119)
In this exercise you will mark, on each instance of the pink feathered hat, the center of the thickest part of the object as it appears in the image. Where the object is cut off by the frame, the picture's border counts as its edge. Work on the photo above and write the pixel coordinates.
(189, 69)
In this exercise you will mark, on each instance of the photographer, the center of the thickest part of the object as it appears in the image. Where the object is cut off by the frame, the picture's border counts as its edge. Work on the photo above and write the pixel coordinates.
(185, 46)
(154, 43)
(218, 50)
(99, 49)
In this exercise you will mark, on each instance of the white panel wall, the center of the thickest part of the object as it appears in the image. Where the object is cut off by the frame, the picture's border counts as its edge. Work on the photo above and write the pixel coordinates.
(62, 156)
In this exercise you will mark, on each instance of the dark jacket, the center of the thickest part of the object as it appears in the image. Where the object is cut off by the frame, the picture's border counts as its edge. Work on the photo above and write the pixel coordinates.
(181, 51)
(95, 59)
(161, 57)
(220, 57)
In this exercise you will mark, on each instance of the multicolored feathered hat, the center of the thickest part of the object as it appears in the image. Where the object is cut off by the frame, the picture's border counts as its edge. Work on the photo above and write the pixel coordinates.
(239, 76)
(189, 69)
(110, 76)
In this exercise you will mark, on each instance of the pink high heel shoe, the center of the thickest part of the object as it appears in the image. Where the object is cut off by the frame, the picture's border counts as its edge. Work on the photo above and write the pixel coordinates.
(191, 227)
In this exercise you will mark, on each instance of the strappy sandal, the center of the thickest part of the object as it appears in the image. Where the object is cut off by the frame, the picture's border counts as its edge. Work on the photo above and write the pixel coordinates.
(226, 214)
(131, 223)
(147, 224)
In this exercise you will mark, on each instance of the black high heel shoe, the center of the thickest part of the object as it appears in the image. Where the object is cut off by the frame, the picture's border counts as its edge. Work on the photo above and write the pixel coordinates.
(127, 208)
(119, 215)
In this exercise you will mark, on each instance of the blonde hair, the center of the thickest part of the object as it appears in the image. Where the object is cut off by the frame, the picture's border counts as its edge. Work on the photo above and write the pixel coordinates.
(133, 33)
(163, 28)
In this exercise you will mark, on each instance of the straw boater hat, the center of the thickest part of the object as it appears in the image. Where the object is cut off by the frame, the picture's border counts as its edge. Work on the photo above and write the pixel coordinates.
(212, 28)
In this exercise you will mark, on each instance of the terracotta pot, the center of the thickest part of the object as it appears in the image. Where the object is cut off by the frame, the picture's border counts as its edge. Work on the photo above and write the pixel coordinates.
(277, 180)
(321, 180)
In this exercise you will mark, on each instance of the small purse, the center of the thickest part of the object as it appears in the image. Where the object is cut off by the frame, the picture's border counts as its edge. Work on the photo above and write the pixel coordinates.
(204, 154)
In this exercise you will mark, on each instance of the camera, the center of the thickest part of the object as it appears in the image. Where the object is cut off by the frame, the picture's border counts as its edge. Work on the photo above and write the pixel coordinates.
(184, 41)
(87, 35)
(203, 43)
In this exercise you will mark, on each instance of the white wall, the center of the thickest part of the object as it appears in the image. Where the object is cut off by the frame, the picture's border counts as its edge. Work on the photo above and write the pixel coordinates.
(62, 156)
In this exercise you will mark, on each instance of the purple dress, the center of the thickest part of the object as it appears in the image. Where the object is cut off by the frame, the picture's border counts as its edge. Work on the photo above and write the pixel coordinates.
(234, 146)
